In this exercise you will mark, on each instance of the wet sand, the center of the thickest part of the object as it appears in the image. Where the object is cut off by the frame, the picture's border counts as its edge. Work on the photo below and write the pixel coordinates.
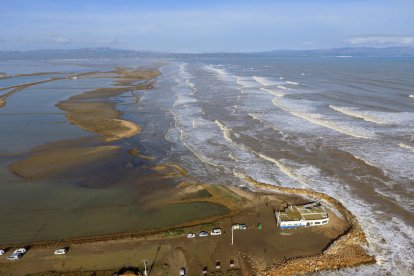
(99, 117)
(50, 162)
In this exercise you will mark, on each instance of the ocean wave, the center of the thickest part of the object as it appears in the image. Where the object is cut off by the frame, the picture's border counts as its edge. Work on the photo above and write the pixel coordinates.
(316, 119)
(292, 82)
(232, 157)
(255, 116)
(246, 82)
(218, 71)
(282, 87)
(353, 112)
(273, 92)
(225, 130)
(406, 147)
(284, 168)
(376, 116)
(265, 81)
(364, 160)
(195, 151)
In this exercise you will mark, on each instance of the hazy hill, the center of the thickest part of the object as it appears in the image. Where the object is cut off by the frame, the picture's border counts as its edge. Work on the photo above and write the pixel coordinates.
(98, 53)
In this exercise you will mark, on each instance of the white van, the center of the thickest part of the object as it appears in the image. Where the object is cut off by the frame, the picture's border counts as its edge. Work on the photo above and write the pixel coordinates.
(60, 251)
(20, 250)
(216, 232)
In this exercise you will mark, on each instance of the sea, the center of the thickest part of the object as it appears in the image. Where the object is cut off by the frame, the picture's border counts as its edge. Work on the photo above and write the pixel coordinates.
(343, 126)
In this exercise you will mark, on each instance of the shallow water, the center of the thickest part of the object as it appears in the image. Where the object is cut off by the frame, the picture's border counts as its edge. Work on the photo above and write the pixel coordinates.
(339, 126)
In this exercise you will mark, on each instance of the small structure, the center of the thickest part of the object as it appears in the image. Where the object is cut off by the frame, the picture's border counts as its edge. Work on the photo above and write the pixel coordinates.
(294, 216)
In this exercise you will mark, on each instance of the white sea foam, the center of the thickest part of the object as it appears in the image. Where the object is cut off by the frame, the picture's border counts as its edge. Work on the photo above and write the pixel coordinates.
(246, 82)
(265, 81)
(273, 92)
(232, 157)
(255, 116)
(405, 146)
(316, 119)
(364, 160)
(285, 169)
(225, 130)
(218, 71)
(282, 87)
(292, 82)
(353, 112)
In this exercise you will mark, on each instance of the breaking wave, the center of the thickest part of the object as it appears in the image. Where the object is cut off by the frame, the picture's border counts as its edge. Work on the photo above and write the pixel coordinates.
(353, 112)
(316, 119)
(406, 147)
(265, 81)
(225, 130)
(246, 82)
(292, 82)
(273, 92)
(376, 117)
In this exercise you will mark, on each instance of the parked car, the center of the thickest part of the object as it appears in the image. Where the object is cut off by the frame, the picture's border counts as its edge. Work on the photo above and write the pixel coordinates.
(20, 250)
(243, 227)
(203, 234)
(216, 232)
(191, 235)
(2, 252)
(60, 251)
(205, 270)
(15, 256)
(182, 271)
(235, 226)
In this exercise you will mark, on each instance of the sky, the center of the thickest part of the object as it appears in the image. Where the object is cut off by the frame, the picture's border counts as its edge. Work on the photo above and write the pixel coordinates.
(205, 26)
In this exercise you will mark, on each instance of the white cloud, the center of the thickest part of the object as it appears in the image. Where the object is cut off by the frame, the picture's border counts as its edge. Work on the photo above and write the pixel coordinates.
(382, 40)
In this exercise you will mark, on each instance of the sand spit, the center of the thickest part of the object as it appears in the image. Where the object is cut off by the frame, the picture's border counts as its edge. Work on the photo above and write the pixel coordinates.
(102, 93)
(6, 76)
(20, 87)
(347, 251)
(129, 77)
(56, 160)
(99, 117)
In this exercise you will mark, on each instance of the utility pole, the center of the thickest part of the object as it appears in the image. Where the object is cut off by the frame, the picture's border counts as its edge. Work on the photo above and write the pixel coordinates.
(232, 235)
(145, 267)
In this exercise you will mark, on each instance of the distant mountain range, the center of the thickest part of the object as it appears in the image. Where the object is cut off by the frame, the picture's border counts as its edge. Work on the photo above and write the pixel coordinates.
(99, 53)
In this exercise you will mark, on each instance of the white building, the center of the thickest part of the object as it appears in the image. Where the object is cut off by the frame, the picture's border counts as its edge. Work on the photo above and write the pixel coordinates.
(293, 216)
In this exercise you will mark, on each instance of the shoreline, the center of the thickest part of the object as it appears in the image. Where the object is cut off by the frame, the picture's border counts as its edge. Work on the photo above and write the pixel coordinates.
(348, 250)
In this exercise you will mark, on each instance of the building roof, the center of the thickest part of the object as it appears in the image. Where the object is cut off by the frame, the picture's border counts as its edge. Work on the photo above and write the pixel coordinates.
(312, 211)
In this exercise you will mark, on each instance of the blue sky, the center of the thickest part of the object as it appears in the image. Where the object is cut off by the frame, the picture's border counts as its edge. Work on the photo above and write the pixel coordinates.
(203, 26)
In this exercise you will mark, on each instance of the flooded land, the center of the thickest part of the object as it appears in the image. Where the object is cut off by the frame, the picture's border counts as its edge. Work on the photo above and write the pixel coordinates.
(120, 159)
